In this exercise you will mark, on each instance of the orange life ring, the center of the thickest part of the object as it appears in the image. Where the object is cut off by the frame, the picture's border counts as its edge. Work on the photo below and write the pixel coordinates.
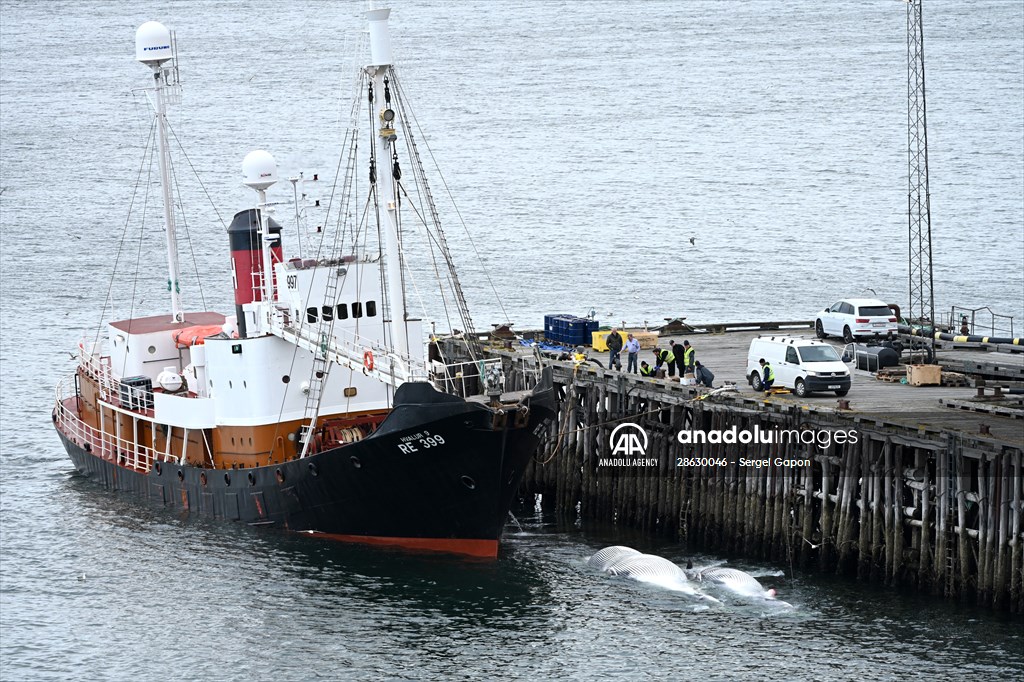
(368, 359)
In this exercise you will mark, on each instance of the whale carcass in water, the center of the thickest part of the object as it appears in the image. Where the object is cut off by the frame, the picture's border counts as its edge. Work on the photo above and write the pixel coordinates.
(735, 580)
(646, 568)
(610, 555)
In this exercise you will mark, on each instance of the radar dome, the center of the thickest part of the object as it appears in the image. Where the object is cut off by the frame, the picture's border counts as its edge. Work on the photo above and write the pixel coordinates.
(153, 43)
(259, 170)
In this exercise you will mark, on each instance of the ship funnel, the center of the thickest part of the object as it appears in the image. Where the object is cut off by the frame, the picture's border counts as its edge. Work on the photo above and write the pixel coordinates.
(259, 170)
(153, 43)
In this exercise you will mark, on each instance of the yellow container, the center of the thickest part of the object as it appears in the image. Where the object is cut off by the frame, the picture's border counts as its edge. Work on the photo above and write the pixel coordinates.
(924, 375)
(599, 340)
(648, 340)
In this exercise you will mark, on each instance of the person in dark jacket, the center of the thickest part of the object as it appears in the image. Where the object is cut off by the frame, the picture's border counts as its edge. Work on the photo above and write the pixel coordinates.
(678, 350)
(614, 342)
(703, 375)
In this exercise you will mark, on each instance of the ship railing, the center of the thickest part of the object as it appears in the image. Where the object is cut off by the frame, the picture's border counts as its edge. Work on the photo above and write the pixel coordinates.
(108, 446)
(351, 350)
(98, 366)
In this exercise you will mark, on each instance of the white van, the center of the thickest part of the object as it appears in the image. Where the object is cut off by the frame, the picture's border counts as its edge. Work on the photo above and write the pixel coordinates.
(804, 365)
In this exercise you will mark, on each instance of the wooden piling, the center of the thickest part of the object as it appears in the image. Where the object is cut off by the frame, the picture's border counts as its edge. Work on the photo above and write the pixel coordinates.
(939, 511)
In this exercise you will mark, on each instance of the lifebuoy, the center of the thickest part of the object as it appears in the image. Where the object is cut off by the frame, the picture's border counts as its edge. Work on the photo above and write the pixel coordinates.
(368, 359)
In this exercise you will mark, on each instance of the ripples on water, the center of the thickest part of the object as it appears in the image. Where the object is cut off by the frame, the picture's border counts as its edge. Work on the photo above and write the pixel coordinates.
(121, 592)
(582, 142)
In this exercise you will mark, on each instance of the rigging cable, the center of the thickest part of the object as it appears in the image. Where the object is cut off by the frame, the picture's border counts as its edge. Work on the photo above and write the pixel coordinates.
(184, 224)
(124, 231)
(465, 228)
(138, 254)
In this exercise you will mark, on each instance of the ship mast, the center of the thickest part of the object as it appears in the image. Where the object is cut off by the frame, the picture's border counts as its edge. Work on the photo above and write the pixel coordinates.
(384, 173)
(154, 46)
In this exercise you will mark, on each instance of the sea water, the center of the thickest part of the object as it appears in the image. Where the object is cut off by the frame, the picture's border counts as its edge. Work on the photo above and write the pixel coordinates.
(585, 143)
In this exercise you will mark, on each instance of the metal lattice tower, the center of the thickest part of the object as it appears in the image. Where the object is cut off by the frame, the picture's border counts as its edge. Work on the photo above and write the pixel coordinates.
(921, 310)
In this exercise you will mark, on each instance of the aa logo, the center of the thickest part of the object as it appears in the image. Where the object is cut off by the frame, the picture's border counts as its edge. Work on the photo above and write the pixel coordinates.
(628, 440)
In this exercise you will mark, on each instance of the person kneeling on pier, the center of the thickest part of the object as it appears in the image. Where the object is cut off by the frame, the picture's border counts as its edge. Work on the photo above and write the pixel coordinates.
(703, 375)
(769, 375)
(646, 370)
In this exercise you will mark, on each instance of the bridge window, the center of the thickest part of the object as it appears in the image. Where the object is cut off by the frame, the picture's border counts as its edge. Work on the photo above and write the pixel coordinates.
(371, 309)
(328, 313)
(311, 315)
(357, 309)
(342, 311)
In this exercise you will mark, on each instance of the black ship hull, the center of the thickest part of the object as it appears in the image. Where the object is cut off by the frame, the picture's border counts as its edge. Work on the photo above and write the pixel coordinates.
(439, 474)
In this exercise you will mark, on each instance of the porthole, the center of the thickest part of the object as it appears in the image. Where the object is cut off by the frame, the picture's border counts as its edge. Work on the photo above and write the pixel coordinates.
(245, 384)
(356, 462)
(227, 479)
(468, 482)
(252, 478)
(285, 379)
(202, 478)
(230, 385)
(181, 475)
(313, 470)
(152, 350)
(280, 476)
(159, 469)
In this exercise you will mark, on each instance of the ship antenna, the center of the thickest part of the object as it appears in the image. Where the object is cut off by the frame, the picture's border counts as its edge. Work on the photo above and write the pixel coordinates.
(155, 47)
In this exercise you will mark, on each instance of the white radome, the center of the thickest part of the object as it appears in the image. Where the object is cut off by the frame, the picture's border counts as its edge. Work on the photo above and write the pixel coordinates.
(153, 43)
(259, 170)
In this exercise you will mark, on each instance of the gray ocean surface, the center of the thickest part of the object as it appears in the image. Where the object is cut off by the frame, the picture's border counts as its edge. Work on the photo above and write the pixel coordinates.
(585, 143)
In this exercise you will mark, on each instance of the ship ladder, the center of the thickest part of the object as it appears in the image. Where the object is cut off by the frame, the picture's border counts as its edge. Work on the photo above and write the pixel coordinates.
(321, 366)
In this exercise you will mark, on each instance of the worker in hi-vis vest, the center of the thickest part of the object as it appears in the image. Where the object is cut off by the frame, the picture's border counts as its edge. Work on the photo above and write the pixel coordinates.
(769, 375)
(688, 356)
(665, 357)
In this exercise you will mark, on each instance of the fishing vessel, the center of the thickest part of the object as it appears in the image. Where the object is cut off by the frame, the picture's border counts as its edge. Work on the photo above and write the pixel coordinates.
(319, 404)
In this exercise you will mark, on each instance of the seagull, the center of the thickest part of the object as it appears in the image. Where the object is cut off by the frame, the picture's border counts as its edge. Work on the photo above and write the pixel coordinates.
(692, 240)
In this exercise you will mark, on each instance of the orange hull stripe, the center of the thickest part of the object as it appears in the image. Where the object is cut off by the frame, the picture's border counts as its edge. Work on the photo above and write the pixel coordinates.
(487, 549)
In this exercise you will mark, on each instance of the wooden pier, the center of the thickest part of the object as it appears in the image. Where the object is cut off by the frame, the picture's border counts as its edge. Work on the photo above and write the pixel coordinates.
(927, 496)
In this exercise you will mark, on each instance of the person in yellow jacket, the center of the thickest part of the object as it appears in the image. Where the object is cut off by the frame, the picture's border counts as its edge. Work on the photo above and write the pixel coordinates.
(662, 357)
(769, 375)
(688, 357)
